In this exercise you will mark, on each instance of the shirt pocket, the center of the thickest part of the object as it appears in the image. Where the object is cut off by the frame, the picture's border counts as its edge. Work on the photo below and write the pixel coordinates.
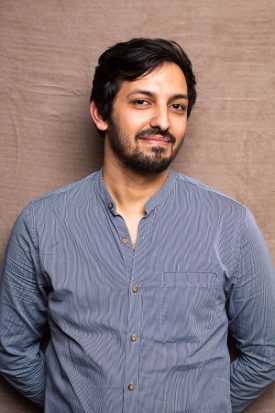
(188, 305)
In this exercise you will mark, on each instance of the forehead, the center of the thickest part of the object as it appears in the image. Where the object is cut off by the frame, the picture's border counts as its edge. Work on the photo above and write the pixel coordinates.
(167, 80)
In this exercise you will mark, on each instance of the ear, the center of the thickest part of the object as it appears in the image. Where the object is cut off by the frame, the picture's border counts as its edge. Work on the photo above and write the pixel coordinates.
(100, 123)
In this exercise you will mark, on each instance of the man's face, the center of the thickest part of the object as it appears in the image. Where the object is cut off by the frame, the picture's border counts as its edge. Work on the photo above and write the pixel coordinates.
(148, 120)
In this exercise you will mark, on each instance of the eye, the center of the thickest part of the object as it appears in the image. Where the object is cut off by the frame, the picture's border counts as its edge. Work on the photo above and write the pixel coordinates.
(178, 107)
(141, 103)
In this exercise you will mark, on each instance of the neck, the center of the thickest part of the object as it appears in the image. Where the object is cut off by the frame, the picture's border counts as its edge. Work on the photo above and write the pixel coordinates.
(130, 189)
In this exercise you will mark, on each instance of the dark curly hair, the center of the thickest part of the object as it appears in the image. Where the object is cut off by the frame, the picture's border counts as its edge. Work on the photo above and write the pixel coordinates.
(131, 60)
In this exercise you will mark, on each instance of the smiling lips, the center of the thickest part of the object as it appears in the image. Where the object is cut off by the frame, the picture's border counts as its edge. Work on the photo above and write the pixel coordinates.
(156, 140)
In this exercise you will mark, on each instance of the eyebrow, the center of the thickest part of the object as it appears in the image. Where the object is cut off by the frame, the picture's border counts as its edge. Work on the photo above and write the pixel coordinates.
(151, 94)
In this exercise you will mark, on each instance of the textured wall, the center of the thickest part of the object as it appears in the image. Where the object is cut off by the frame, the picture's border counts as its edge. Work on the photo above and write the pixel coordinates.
(48, 52)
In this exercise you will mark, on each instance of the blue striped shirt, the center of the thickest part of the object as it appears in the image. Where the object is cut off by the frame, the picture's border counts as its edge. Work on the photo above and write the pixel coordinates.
(144, 330)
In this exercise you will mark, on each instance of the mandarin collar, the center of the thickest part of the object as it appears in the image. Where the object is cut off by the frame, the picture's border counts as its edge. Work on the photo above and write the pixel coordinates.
(149, 206)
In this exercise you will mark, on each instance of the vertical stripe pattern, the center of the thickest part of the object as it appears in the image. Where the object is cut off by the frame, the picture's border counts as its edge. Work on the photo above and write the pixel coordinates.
(141, 331)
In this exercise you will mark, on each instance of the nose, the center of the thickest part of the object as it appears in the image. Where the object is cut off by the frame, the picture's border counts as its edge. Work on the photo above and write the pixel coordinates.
(160, 118)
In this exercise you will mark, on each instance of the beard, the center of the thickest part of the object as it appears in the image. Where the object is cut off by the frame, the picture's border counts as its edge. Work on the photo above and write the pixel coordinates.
(137, 160)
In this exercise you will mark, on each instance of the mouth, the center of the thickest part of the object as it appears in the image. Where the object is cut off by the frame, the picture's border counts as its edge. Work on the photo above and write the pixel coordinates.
(155, 140)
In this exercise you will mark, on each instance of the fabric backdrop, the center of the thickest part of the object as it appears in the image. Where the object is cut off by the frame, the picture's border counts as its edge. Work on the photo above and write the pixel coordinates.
(48, 53)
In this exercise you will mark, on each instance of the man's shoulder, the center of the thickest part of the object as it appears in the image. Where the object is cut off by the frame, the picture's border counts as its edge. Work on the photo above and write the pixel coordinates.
(66, 195)
(193, 185)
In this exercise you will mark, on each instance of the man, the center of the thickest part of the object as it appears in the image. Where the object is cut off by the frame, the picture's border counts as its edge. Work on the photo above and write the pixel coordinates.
(138, 271)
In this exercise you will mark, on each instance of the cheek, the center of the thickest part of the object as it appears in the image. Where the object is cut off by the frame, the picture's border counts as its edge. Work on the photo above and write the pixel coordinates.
(180, 129)
(134, 124)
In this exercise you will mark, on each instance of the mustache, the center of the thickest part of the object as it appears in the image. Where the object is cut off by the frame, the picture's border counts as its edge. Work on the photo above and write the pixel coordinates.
(156, 131)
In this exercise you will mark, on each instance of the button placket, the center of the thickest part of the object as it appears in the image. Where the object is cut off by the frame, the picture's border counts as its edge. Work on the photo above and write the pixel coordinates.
(134, 341)
(132, 346)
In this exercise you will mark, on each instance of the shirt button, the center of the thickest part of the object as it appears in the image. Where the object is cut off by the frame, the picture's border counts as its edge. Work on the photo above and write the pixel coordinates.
(110, 205)
(131, 387)
(133, 338)
(124, 240)
(135, 289)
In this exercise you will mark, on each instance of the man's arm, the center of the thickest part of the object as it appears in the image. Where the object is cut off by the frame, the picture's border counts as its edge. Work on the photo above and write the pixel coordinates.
(252, 318)
(23, 318)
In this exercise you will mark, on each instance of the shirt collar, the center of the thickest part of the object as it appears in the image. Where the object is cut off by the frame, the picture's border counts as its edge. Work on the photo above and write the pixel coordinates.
(150, 205)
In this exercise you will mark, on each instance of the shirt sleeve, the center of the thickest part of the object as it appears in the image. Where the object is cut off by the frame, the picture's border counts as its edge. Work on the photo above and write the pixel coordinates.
(251, 313)
(23, 319)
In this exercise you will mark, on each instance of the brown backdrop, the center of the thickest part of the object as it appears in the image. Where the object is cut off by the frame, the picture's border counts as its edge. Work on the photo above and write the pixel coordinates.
(48, 53)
